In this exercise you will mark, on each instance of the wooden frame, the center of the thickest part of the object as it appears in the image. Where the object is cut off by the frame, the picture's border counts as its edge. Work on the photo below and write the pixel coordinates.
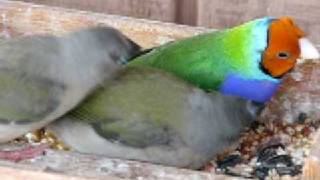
(28, 18)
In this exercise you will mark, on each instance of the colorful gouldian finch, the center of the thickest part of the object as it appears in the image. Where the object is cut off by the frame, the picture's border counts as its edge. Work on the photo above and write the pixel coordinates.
(247, 61)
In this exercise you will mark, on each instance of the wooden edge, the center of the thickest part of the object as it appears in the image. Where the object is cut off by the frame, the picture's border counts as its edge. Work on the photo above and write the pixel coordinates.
(311, 169)
(15, 174)
(187, 12)
(67, 165)
(28, 17)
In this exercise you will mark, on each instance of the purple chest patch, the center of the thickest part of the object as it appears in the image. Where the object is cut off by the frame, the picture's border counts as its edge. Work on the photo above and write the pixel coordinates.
(256, 90)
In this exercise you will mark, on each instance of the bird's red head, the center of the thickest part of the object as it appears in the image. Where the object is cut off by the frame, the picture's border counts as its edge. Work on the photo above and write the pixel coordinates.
(283, 48)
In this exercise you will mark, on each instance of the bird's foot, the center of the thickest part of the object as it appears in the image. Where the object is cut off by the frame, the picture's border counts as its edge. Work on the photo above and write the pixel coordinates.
(28, 152)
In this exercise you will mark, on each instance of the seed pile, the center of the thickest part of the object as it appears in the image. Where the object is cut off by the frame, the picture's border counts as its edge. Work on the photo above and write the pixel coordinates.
(268, 150)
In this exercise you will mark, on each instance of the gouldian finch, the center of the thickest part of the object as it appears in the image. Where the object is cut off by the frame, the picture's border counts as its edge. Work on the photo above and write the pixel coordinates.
(42, 76)
(246, 61)
(150, 115)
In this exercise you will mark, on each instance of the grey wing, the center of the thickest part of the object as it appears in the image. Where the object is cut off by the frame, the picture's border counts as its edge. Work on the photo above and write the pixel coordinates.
(135, 133)
(25, 99)
(27, 93)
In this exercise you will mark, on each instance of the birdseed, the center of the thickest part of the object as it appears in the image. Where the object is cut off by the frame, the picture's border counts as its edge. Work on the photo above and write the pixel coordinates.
(268, 151)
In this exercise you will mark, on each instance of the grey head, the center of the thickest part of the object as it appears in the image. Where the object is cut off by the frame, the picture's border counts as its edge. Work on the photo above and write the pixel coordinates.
(119, 47)
(234, 115)
(245, 111)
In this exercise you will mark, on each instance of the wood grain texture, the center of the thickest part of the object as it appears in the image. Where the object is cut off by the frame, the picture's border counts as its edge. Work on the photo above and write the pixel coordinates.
(43, 19)
(208, 13)
(311, 169)
(72, 165)
(163, 10)
(187, 12)
(221, 14)
(8, 173)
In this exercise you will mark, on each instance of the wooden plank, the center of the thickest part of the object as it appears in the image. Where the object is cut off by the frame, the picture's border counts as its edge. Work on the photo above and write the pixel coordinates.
(17, 174)
(208, 13)
(312, 162)
(41, 19)
(72, 165)
(163, 10)
(221, 14)
(187, 12)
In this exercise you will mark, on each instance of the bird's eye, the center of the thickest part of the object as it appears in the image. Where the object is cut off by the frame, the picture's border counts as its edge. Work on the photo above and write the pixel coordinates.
(283, 55)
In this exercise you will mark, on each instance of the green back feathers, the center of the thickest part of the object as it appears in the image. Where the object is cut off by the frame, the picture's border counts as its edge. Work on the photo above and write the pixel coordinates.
(142, 90)
(205, 60)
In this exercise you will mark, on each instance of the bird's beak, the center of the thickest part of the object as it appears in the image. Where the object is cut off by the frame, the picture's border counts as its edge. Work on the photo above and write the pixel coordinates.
(308, 50)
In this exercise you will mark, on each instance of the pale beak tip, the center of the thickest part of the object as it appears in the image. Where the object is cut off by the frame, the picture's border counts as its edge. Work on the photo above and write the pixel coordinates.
(308, 50)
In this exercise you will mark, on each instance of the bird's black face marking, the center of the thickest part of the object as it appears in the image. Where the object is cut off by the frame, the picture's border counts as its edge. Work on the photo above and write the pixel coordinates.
(264, 70)
(283, 55)
(140, 53)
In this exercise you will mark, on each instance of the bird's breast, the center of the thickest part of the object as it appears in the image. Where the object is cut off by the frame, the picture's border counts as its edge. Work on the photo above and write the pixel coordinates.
(252, 89)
